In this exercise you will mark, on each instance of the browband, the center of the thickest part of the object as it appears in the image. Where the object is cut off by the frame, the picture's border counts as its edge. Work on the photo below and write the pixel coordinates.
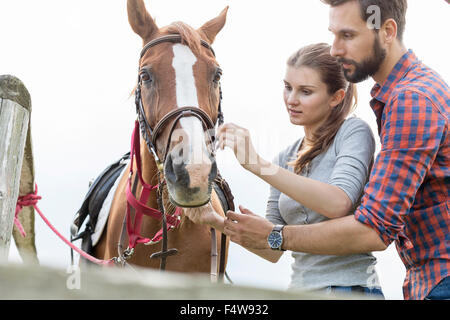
(175, 38)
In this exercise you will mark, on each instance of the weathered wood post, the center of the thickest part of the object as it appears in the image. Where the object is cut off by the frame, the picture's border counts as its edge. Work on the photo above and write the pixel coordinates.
(16, 166)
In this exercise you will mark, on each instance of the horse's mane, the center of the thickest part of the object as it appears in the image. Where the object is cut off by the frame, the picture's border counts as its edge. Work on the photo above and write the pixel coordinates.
(189, 35)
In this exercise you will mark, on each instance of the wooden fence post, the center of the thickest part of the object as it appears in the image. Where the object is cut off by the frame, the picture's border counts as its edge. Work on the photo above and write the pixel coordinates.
(15, 140)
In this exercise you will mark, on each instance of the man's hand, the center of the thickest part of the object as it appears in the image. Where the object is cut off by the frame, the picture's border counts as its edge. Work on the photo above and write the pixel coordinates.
(248, 229)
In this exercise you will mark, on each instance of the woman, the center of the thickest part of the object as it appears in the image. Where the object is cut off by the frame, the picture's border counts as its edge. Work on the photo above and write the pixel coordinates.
(319, 177)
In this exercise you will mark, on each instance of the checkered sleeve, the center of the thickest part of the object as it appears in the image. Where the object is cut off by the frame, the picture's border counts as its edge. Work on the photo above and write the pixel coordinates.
(410, 139)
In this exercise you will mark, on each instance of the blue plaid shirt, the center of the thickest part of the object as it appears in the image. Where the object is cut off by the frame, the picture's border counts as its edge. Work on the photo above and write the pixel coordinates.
(407, 198)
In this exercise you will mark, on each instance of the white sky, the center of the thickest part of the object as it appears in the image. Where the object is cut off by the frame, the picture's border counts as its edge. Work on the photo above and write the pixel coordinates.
(79, 61)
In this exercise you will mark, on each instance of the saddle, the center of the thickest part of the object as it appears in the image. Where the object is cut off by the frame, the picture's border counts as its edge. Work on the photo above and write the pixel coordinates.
(93, 202)
(99, 190)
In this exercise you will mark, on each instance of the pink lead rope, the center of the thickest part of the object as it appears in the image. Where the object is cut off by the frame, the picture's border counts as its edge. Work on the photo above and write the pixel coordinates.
(31, 200)
(25, 201)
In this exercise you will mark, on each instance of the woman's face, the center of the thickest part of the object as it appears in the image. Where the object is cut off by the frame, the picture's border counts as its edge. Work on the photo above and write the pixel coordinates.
(306, 97)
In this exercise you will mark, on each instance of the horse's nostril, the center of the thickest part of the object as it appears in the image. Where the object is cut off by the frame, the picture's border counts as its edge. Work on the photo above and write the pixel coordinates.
(181, 152)
(169, 171)
(175, 169)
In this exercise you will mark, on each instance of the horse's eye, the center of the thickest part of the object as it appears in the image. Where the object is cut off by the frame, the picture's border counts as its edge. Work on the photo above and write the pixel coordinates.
(218, 75)
(145, 76)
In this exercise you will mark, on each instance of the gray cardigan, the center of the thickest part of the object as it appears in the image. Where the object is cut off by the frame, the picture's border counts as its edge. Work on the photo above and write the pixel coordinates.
(345, 164)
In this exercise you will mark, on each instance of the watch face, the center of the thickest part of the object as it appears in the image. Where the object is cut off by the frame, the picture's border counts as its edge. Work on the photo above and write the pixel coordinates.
(274, 239)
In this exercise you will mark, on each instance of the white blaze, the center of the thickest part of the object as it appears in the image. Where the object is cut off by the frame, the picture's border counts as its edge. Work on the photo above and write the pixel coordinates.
(186, 91)
(183, 63)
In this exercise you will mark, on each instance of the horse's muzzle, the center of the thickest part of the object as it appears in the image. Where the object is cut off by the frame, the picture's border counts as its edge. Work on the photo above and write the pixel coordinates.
(189, 183)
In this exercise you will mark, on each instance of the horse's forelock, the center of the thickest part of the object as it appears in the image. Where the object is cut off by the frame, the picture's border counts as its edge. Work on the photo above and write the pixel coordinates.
(189, 35)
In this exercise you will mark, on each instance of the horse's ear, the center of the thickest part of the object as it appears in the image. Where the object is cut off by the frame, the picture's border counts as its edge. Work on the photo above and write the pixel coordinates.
(140, 20)
(211, 28)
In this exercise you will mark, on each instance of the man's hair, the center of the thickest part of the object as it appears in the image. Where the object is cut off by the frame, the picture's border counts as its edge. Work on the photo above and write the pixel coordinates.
(390, 9)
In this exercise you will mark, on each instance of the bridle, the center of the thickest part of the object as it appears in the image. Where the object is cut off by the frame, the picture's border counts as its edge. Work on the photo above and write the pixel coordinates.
(150, 134)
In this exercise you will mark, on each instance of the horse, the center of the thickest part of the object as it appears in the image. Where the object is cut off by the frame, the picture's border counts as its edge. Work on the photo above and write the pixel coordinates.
(179, 95)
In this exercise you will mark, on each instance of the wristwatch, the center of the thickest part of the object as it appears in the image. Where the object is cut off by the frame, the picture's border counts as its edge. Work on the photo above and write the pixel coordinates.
(275, 238)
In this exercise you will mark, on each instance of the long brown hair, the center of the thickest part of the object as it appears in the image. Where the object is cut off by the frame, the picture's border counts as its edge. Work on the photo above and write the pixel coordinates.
(318, 57)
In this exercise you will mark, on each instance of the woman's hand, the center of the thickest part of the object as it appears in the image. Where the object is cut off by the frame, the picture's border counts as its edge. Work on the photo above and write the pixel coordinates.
(238, 139)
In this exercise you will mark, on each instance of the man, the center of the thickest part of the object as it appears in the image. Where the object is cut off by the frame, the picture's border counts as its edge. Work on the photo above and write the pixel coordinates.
(407, 199)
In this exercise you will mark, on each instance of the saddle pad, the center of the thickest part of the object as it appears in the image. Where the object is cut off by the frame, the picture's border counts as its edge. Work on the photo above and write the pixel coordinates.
(104, 211)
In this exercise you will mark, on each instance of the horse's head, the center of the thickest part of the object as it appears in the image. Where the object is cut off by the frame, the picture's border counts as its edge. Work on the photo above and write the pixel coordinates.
(174, 74)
